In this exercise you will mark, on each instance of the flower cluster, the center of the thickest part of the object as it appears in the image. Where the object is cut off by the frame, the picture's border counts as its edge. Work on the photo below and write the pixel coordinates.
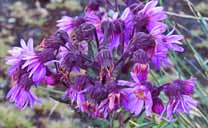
(103, 59)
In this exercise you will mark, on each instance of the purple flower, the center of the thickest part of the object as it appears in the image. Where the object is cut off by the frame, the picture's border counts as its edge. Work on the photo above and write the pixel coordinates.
(21, 95)
(129, 18)
(67, 23)
(28, 58)
(173, 42)
(150, 16)
(160, 57)
(137, 96)
(85, 32)
(163, 44)
(70, 59)
(118, 33)
(108, 105)
(104, 46)
(76, 97)
(96, 20)
(179, 92)
(182, 104)
(17, 55)
(76, 92)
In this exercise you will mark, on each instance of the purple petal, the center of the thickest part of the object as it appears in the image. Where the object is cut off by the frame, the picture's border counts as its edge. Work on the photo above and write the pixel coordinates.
(134, 77)
(176, 47)
(125, 83)
(34, 67)
(30, 44)
(138, 106)
(149, 6)
(173, 38)
(39, 74)
(148, 104)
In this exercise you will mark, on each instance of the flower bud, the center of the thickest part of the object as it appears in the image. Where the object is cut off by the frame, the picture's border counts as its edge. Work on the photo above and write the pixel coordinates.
(55, 41)
(104, 58)
(141, 71)
(143, 41)
(158, 106)
(46, 55)
(84, 32)
(140, 56)
(52, 79)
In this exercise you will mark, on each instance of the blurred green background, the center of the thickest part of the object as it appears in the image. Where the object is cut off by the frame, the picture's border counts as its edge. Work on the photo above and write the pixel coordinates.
(37, 19)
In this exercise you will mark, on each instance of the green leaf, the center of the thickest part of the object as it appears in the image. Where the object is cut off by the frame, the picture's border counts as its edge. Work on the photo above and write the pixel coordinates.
(92, 49)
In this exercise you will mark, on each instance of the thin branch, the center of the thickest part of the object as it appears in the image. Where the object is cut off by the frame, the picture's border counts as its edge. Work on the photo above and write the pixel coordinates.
(186, 16)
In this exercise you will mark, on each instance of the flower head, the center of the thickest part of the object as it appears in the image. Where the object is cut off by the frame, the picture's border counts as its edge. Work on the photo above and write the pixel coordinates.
(112, 102)
(179, 92)
(21, 95)
(137, 99)
(150, 16)
(172, 42)
(76, 91)
(137, 96)
(17, 55)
